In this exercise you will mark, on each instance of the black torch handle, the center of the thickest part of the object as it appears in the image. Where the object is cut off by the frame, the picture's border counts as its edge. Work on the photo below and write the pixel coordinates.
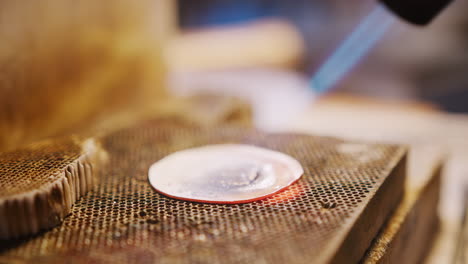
(419, 12)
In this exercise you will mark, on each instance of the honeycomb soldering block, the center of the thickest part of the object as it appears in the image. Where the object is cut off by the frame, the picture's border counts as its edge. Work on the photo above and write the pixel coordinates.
(330, 215)
(40, 182)
(410, 231)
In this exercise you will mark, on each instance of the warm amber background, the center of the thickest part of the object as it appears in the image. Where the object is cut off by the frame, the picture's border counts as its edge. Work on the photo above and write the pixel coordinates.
(67, 65)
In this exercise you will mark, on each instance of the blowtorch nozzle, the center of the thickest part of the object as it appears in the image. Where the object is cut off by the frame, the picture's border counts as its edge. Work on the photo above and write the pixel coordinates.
(419, 12)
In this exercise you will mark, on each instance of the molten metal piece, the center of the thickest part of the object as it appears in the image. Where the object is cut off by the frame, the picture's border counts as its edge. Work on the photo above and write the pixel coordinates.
(226, 174)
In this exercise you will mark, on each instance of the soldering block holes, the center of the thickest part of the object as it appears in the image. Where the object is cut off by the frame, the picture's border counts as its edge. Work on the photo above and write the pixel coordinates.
(39, 183)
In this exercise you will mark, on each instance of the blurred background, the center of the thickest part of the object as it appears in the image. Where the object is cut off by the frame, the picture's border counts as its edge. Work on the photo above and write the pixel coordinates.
(59, 61)
(92, 66)
(425, 63)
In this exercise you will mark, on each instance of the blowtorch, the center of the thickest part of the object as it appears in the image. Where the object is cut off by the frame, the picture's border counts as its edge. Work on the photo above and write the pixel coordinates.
(368, 32)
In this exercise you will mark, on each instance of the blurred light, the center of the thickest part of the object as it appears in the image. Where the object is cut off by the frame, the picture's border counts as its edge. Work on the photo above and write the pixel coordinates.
(353, 49)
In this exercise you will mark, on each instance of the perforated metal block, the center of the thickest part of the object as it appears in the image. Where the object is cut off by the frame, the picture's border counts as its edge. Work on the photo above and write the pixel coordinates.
(408, 234)
(40, 182)
(330, 215)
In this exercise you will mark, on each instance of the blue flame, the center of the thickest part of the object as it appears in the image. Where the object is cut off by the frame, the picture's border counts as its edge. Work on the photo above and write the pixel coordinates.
(353, 49)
